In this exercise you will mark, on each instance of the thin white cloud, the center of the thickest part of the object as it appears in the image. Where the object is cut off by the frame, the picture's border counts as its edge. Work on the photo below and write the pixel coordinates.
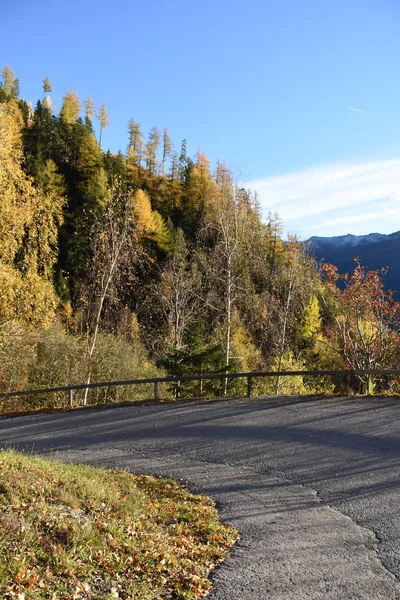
(376, 216)
(359, 110)
(314, 194)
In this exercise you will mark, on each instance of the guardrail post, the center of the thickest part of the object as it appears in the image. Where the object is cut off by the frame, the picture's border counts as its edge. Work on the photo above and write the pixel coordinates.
(156, 390)
(249, 385)
(70, 398)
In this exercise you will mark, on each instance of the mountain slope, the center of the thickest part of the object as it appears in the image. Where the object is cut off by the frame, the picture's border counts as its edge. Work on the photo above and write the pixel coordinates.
(374, 250)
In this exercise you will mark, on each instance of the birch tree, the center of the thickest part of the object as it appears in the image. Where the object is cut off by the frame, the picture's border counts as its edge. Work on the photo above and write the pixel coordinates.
(114, 251)
(291, 292)
(230, 228)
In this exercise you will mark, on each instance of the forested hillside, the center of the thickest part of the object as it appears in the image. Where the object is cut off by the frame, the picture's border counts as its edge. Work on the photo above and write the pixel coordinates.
(151, 261)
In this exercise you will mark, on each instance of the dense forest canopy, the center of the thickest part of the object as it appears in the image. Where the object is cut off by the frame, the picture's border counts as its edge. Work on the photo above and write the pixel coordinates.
(151, 261)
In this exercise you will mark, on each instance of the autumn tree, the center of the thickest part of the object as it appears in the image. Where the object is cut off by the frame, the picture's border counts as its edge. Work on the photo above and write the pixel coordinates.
(366, 319)
(39, 136)
(175, 301)
(151, 149)
(150, 225)
(177, 291)
(10, 84)
(135, 146)
(103, 118)
(144, 214)
(89, 195)
(293, 286)
(71, 108)
(90, 110)
(47, 89)
(48, 104)
(29, 222)
(228, 229)
(167, 149)
(113, 254)
(198, 195)
(47, 101)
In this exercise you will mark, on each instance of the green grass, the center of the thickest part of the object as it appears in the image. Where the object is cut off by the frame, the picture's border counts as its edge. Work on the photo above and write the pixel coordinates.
(77, 532)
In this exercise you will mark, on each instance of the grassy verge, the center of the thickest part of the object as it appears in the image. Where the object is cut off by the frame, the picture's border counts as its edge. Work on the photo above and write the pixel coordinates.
(76, 533)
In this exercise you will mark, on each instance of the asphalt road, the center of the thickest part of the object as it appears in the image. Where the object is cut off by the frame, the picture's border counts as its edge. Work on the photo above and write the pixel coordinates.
(312, 484)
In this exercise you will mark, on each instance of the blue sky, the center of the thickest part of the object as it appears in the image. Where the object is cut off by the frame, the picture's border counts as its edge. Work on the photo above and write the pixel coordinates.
(270, 88)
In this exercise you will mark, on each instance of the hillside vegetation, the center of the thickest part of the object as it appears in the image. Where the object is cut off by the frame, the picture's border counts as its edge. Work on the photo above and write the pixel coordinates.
(150, 261)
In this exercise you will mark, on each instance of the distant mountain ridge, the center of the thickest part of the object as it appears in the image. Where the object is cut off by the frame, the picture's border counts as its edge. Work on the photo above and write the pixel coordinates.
(375, 250)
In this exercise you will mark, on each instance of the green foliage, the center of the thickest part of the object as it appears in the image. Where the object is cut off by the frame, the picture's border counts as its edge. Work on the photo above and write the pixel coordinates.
(92, 183)
(47, 86)
(198, 361)
(40, 138)
(163, 232)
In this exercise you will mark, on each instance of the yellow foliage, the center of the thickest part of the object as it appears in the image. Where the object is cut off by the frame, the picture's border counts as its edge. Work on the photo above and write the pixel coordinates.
(28, 298)
(89, 159)
(145, 219)
(150, 224)
(162, 233)
(292, 384)
(312, 321)
(16, 191)
(327, 353)
(29, 220)
(135, 327)
(243, 349)
(71, 108)
(202, 190)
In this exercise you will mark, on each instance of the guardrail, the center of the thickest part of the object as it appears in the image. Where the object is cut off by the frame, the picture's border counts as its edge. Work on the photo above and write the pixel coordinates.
(177, 380)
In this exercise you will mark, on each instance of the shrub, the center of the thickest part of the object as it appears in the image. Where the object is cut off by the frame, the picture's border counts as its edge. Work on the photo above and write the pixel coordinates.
(115, 359)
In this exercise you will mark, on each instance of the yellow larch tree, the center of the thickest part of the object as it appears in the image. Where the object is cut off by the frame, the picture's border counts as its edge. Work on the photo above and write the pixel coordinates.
(29, 220)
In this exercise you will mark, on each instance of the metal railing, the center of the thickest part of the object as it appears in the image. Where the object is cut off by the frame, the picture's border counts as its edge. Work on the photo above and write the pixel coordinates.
(178, 380)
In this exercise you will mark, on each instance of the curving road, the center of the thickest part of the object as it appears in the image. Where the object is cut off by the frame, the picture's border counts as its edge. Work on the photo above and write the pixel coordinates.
(312, 484)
